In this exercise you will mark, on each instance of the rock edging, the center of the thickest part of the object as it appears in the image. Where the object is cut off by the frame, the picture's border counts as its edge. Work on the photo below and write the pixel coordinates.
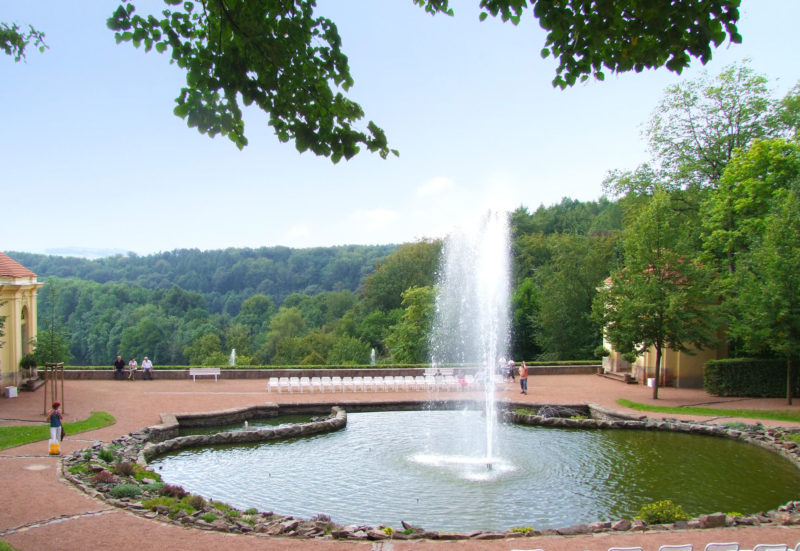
(139, 446)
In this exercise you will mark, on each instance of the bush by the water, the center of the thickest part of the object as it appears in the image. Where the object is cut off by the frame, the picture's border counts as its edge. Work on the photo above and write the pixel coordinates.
(747, 377)
(662, 512)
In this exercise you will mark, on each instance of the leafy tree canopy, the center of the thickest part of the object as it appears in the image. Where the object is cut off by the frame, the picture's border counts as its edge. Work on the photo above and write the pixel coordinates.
(14, 41)
(281, 57)
(586, 36)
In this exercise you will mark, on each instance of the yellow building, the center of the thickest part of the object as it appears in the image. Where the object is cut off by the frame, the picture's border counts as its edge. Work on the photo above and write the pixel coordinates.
(678, 369)
(18, 287)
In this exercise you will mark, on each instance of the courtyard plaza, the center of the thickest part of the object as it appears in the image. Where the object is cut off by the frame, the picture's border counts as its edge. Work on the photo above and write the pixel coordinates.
(40, 511)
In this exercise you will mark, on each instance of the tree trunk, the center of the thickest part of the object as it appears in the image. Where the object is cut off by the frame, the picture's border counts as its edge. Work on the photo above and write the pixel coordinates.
(789, 380)
(658, 371)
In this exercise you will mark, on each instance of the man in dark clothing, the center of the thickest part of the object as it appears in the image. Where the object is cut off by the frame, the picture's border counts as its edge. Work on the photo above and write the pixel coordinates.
(119, 368)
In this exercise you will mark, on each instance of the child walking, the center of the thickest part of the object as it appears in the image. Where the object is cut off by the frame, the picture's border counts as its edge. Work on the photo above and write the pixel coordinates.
(55, 428)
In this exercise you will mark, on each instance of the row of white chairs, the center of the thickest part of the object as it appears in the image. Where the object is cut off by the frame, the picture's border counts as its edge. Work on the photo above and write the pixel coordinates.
(405, 383)
(729, 546)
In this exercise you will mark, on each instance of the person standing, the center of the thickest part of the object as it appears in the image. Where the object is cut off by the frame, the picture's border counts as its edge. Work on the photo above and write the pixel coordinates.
(511, 369)
(54, 416)
(132, 366)
(119, 368)
(523, 377)
(147, 368)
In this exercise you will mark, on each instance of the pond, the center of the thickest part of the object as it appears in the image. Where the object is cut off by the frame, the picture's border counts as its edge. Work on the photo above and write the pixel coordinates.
(421, 467)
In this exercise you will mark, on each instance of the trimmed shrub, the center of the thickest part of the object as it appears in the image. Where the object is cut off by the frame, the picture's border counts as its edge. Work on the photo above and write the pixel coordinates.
(106, 455)
(104, 477)
(125, 490)
(662, 512)
(764, 378)
(173, 490)
(124, 468)
(195, 501)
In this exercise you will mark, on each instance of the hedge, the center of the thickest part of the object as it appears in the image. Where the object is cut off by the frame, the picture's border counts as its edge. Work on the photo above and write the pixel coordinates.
(765, 378)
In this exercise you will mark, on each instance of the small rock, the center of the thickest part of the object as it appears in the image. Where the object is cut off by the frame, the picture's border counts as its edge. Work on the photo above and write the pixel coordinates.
(714, 520)
(622, 525)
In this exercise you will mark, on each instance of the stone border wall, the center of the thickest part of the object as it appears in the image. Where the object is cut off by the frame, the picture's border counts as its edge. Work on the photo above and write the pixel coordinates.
(233, 373)
(141, 445)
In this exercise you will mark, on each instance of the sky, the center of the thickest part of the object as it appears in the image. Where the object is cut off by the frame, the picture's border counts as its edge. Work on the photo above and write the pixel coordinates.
(92, 158)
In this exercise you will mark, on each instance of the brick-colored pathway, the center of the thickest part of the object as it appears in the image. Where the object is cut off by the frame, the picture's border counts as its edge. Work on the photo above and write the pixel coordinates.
(38, 511)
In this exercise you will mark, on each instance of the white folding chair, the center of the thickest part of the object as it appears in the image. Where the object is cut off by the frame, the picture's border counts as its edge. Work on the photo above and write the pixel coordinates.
(729, 546)
(358, 383)
(326, 384)
(294, 384)
(379, 383)
(316, 384)
(348, 384)
(305, 382)
(367, 383)
(336, 382)
(274, 384)
(770, 547)
(682, 547)
(450, 382)
(285, 384)
(409, 383)
(419, 382)
(430, 383)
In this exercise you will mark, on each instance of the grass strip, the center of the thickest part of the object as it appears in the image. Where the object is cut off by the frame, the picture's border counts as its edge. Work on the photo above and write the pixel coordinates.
(771, 414)
(18, 435)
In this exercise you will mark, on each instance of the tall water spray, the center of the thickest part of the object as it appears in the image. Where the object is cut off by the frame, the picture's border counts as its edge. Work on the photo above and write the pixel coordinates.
(471, 324)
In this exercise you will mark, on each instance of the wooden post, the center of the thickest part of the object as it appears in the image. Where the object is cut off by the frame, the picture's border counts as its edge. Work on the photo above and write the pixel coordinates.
(52, 373)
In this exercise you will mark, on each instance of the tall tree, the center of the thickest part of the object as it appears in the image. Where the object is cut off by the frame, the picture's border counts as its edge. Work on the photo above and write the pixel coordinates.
(567, 330)
(411, 265)
(659, 299)
(735, 213)
(408, 340)
(700, 123)
(768, 307)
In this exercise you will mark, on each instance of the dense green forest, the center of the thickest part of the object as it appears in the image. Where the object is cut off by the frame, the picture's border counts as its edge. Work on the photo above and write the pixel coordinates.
(702, 238)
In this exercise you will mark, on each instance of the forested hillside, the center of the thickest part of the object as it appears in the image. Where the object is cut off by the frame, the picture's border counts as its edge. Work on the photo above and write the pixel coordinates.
(224, 277)
(319, 306)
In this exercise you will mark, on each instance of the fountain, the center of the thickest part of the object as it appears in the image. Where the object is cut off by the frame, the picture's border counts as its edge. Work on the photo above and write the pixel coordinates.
(541, 476)
(372, 357)
(232, 358)
(471, 321)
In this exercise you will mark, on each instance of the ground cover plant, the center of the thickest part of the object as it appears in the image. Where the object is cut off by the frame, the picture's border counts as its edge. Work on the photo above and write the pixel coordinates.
(771, 414)
(24, 434)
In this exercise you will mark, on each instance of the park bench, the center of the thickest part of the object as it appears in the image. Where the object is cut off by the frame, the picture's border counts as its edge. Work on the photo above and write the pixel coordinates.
(203, 372)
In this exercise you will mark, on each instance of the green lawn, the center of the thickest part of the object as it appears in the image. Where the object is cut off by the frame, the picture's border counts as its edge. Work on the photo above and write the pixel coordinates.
(16, 436)
(771, 414)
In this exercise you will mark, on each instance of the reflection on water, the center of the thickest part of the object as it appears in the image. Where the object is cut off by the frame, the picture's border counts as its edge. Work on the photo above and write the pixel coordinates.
(416, 466)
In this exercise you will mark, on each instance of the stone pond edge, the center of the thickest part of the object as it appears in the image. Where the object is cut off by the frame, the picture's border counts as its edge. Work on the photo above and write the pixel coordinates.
(140, 446)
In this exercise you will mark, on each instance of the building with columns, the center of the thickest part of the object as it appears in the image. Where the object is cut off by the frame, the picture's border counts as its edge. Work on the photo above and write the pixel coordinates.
(18, 287)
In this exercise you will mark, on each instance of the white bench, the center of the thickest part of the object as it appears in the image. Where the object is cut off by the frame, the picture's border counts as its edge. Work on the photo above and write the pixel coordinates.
(203, 372)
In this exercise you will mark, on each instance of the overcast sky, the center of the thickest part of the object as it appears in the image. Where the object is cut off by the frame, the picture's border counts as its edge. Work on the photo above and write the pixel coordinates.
(92, 156)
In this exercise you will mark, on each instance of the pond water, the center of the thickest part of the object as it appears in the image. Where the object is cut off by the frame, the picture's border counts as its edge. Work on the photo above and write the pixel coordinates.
(424, 467)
